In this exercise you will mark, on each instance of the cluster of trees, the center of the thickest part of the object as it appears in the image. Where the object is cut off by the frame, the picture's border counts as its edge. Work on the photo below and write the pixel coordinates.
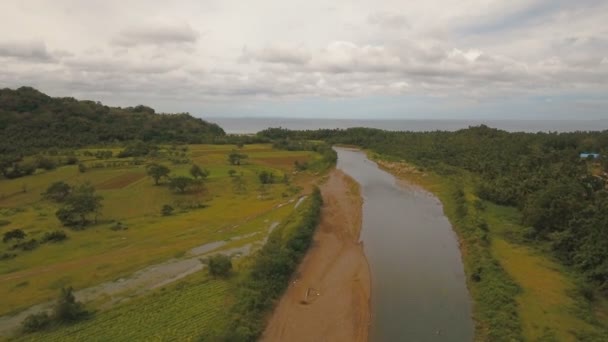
(269, 275)
(285, 139)
(78, 203)
(561, 196)
(180, 184)
(31, 120)
(12, 166)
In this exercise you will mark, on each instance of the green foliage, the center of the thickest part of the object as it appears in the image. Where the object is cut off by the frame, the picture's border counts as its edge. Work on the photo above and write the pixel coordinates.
(67, 309)
(33, 121)
(29, 245)
(219, 265)
(136, 149)
(82, 168)
(560, 194)
(236, 158)
(15, 234)
(54, 236)
(167, 210)
(81, 202)
(36, 322)
(198, 172)
(267, 177)
(157, 172)
(58, 191)
(269, 274)
(181, 183)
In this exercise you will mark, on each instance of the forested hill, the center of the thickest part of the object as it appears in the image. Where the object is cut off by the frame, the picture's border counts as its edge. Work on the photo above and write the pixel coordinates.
(31, 120)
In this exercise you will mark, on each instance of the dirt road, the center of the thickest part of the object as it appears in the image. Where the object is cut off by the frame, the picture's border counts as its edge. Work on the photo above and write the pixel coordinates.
(328, 300)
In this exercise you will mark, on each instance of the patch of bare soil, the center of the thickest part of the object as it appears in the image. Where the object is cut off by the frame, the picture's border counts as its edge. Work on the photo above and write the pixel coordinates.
(329, 298)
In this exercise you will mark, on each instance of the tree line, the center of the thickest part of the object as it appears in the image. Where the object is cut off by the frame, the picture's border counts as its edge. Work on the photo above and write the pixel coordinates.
(561, 196)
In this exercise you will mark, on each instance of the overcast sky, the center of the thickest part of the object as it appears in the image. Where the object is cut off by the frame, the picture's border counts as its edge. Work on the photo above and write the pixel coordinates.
(314, 58)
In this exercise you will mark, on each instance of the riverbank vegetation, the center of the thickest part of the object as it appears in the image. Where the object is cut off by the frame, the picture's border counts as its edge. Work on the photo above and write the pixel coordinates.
(530, 214)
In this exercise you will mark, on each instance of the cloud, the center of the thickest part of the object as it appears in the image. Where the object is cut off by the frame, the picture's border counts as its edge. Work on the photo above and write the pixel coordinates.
(161, 34)
(388, 20)
(476, 51)
(279, 54)
(26, 50)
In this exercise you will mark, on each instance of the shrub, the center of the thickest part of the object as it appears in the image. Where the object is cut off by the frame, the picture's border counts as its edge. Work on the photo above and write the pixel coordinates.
(7, 256)
(36, 322)
(15, 234)
(26, 245)
(54, 236)
(219, 265)
(67, 309)
(166, 210)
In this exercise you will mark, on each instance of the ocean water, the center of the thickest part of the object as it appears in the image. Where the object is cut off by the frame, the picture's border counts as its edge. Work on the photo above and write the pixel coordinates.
(252, 125)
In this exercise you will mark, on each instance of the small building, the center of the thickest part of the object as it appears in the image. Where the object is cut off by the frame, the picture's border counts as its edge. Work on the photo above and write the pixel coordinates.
(586, 155)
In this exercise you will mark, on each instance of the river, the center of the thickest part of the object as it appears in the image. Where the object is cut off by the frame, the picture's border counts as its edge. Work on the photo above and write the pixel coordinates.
(419, 288)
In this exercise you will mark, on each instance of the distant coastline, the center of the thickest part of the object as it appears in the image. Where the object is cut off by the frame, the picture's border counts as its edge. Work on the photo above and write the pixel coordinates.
(247, 125)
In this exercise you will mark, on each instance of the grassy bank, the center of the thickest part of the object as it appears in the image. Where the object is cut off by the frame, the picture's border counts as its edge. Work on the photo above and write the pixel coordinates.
(519, 292)
(268, 275)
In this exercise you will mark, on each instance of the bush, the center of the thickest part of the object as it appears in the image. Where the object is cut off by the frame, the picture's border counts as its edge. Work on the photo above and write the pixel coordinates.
(26, 245)
(36, 322)
(54, 236)
(167, 210)
(67, 309)
(219, 265)
(15, 234)
(7, 256)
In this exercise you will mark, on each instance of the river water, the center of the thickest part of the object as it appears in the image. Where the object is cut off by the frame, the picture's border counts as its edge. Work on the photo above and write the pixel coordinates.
(419, 288)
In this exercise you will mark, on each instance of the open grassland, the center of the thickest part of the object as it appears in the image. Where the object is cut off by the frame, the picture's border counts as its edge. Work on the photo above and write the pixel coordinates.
(196, 307)
(519, 292)
(131, 232)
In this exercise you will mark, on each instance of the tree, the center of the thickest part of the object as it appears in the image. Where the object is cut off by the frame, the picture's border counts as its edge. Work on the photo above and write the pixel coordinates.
(67, 309)
(82, 168)
(166, 210)
(266, 177)
(157, 171)
(231, 172)
(81, 203)
(198, 172)
(180, 183)
(236, 158)
(219, 265)
(57, 191)
(15, 234)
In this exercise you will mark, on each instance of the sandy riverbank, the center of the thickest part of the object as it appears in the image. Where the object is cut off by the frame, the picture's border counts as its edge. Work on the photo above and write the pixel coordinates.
(329, 299)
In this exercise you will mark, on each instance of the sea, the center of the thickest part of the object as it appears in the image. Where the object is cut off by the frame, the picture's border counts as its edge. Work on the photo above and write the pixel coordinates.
(250, 125)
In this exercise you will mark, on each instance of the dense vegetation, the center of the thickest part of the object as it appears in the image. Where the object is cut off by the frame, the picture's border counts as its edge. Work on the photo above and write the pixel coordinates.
(562, 197)
(268, 276)
(31, 120)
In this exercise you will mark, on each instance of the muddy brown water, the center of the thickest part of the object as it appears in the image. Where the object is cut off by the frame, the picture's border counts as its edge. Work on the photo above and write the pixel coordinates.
(419, 288)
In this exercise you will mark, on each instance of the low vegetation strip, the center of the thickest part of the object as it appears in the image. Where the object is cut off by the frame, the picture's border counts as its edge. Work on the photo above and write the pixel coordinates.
(178, 313)
(269, 273)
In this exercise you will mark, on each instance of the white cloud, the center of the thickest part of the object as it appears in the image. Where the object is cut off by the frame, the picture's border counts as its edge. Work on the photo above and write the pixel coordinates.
(474, 49)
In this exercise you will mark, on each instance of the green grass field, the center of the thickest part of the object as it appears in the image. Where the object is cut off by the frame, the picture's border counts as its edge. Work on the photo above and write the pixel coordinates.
(99, 253)
(523, 293)
(177, 313)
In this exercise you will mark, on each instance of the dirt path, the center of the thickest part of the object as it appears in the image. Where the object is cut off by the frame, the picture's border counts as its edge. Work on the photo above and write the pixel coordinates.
(334, 274)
